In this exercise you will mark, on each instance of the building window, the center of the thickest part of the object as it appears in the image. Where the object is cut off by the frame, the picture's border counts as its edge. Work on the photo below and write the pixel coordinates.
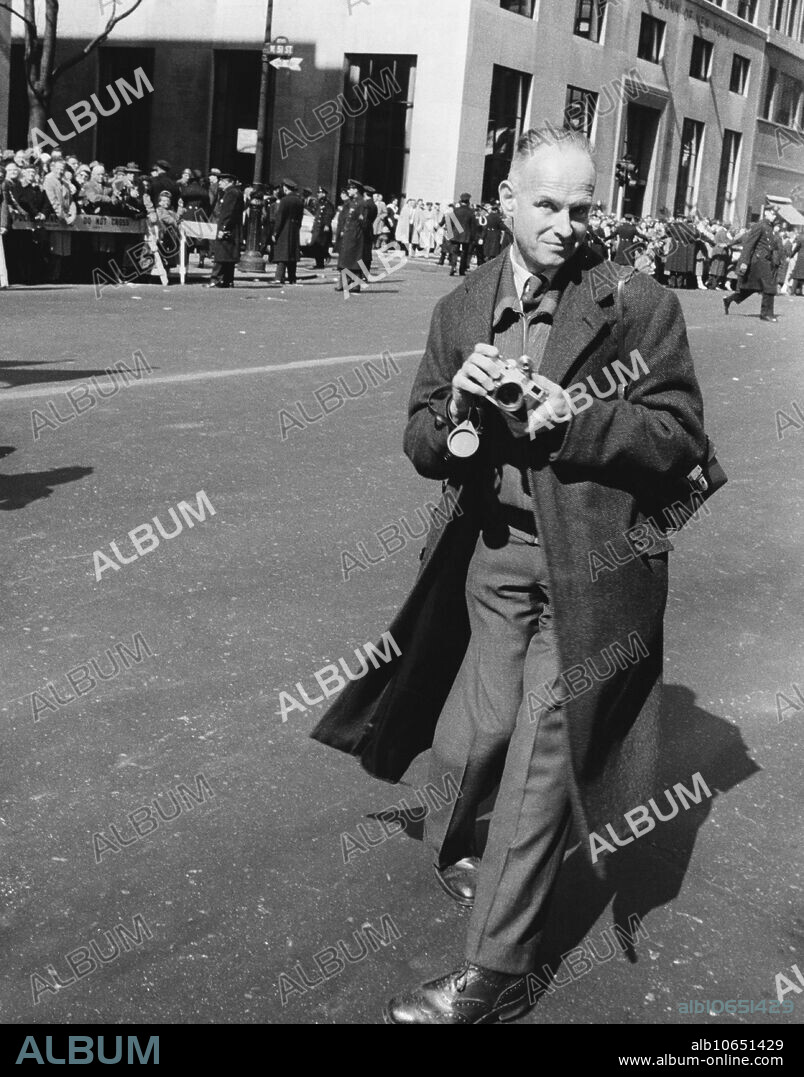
(701, 60)
(747, 9)
(689, 168)
(740, 67)
(787, 101)
(651, 39)
(777, 15)
(519, 7)
(580, 109)
(727, 177)
(589, 16)
(375, 141)
(510, 91)
(792, 18)
(783, 99)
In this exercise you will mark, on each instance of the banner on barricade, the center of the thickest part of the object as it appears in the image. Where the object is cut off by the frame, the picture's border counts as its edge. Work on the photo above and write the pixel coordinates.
(95, 223)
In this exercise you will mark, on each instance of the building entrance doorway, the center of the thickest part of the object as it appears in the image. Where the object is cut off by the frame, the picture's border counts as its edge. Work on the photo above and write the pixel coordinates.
(639, 142)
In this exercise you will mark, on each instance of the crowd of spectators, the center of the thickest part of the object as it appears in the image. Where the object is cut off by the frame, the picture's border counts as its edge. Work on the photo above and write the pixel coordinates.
(39, 187)
(680, 252)
(688, 252)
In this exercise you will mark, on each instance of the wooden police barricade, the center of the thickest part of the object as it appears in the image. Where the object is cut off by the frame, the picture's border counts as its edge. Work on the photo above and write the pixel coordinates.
(192, 230)
(97, 223)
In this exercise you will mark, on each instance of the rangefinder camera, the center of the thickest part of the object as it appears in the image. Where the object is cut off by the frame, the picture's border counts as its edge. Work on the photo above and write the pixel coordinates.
(514, 386)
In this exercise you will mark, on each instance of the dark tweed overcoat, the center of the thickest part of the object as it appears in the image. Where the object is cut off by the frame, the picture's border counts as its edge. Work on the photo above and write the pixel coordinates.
(592, 479)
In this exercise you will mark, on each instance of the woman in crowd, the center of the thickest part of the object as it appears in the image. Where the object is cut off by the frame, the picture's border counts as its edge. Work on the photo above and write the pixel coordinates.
(721, 257)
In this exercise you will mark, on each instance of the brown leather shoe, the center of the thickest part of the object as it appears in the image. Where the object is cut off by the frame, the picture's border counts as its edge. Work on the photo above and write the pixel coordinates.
(471, 996)
(460, 880)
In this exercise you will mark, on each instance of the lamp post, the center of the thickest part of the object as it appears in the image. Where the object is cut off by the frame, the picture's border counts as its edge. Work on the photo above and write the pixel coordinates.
(251, 261)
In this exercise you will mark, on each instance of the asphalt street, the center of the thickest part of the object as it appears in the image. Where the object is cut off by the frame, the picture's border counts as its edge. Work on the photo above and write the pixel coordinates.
(247, 883)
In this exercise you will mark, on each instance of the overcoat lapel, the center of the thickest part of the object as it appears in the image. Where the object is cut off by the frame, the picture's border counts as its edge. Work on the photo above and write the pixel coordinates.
(580, 324)
(481, 292)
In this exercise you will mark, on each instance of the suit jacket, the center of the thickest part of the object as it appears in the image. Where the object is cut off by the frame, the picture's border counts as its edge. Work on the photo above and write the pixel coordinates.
(228, 216)
(592, 479)
(289, 216)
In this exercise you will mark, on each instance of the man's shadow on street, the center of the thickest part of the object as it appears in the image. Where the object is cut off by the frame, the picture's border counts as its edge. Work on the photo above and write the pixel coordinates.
(17, 491)
(648, 872)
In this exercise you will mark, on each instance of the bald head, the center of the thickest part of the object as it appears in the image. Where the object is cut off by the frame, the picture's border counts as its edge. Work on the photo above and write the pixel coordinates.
(548, 195)
(549, 139)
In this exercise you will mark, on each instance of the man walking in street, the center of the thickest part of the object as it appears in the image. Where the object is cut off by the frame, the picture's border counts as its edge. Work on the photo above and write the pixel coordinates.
(287, 248)
(228, 216)
(352, 230)
(759, 262)
(462, 223)
(502, 650)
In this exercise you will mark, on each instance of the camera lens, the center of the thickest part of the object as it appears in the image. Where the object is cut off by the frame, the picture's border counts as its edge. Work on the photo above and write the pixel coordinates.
(509, 397)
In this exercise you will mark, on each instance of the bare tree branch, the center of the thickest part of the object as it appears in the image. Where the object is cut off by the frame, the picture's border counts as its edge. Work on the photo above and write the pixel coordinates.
(31, 25)
(87, 49)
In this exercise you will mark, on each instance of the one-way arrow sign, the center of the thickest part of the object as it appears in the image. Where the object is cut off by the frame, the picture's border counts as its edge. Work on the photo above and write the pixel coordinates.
(291, 64)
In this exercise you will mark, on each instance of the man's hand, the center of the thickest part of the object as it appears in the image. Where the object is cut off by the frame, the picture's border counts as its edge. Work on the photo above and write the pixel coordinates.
(556, 408)
(477, 377)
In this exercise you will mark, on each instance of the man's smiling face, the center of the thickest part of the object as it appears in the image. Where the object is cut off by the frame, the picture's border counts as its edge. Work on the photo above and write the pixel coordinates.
(549, 197)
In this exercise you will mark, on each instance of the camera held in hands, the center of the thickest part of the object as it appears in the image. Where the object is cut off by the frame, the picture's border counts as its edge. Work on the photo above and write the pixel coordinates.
(514, 385)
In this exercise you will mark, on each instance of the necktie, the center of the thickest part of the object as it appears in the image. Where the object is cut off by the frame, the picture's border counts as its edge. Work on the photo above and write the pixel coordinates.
(532, 293)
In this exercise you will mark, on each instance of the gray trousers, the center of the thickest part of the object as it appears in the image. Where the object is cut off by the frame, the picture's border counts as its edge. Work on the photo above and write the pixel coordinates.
(491, 732)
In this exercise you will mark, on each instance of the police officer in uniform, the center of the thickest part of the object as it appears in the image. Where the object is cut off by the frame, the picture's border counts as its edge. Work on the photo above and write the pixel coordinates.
(321, 238)
(352, 230)
(228, 217)
(289, 215)
(756, 272)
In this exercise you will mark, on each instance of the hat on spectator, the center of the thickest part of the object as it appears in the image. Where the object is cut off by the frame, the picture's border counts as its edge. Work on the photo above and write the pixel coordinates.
(354, 183)
(465, 198)
(132, 166)
(164, 165)
(291, 184)
(227, 176)
(369, 189)
(214, 172)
